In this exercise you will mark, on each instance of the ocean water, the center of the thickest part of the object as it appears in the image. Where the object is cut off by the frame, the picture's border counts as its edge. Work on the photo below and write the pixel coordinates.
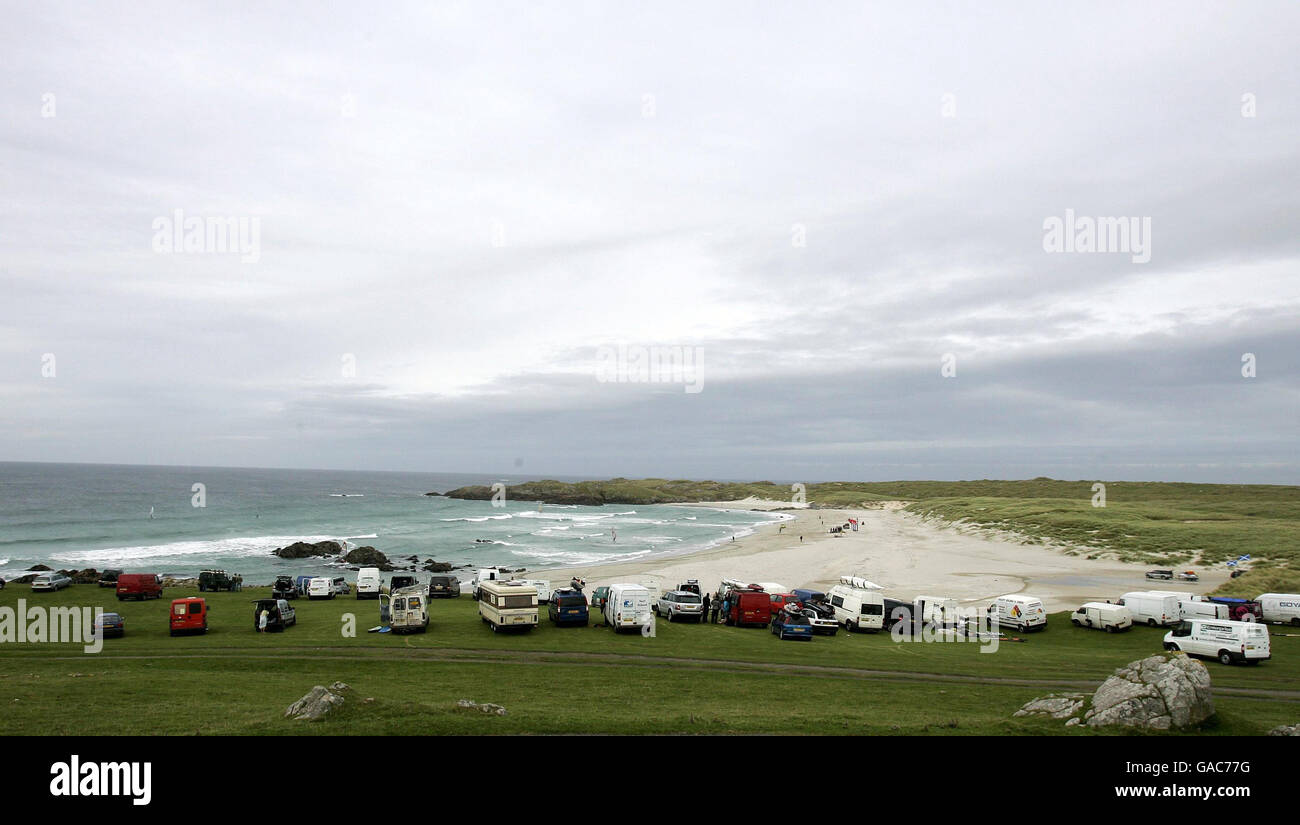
(86, 515)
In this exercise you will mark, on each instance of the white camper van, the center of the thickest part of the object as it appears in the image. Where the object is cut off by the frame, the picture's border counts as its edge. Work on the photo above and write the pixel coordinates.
(1103, 616)
(543, 589)
(1228, 642)
(368, 583)
(858, 604)
(507, 605)
(408, 610)
(320, 588)
(1282, 608)
(938, 611)
(1153, 608)
(1019, 611)
(628, 607)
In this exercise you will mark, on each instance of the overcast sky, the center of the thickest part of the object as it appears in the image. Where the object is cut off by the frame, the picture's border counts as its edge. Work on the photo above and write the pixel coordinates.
(460, 209)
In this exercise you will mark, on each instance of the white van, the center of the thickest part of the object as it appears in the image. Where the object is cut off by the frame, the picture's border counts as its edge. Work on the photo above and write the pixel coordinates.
(1019, 611)
(1154, 608)
(1226, 641)
(1111, 618)
(507, 605)
(858, 604)
(1282, 608)
(320, 588)
(368, 583)
(938, 611)
(408, 610)
(543, 589)
(1197, 609)
(628, 607)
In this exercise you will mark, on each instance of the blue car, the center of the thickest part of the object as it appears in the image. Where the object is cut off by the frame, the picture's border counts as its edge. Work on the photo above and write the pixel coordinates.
(789, 625)
(567, 606)
(111, 624)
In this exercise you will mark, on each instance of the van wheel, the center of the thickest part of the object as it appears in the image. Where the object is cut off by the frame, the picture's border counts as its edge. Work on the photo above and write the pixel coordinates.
(496, 628)
(1171, 647)
(1225, 657)
(1151, 622)
(1295, 622)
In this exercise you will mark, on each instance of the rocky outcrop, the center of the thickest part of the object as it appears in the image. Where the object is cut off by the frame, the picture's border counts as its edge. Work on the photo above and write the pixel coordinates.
(1160, 692)
(1285, 730)
(319, 702)
(303, 549)
(40, 568)
(88, 576)
(432, 566)
(485, 707)
(368, 556)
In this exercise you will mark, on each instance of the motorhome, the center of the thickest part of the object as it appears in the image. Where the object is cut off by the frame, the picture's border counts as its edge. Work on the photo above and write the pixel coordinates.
(1229, 642)
(408, 610)
(858, 604)
(1019, 611)
(507, 605)
(628, 607)
(368, 583)
(1111, 618)
(1153, 608)
(1281, 608)
(320, 587)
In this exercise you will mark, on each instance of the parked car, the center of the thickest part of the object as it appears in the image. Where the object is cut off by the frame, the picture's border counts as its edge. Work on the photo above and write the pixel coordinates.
(446, 587)
(691, 586)
(368, 583)
(280, 614)
(401, 582)
(680, 603)
(285, 588)
(1102, 616)
(49, 582)
(1229, 642)
(790, 623)
(108, 578)
(188, 615)
(1160, 574)
(821, 617)
(213, 580)
(598, 598)
(138, 586)
(1241, 610)
(110, 624)
(341, 586)
(568, 607)
(320, 588)
(1187, 576)
(780, 600)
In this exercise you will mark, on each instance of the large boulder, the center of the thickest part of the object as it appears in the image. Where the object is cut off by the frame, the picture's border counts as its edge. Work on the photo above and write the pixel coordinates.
(303, 549)
(1285, 730)
(432, 566)
(1160, 692)
(88, 576)
(319, 702)
(41, 567)
(368, 556)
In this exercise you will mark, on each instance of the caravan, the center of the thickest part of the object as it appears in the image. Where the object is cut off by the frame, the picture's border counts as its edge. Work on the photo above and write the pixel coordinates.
(1153, 608)
(858, 604)
(1228, 642)
(507, 605)
(1019, 611)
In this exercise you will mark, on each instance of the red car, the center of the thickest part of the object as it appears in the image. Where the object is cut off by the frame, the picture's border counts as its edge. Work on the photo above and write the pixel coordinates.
(138, 586)
(748, 607)
(188, 616)
(780, 600)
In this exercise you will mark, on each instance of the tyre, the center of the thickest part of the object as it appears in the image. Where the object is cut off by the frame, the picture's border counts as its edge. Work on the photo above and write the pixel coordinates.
(1295, 622)
(495, 628)
(1225, 657)
(1151, 622)
(1171, 647)
(1075, 622)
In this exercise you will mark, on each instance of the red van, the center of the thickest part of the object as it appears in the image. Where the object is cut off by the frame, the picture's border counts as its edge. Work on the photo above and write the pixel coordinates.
(188, 616)
(138, 586)
(752, 607)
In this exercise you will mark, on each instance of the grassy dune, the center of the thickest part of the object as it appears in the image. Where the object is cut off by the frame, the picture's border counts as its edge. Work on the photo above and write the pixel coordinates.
(688, 679)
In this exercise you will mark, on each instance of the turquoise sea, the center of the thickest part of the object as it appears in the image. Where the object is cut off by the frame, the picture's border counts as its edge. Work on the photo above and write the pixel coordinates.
(143, 519)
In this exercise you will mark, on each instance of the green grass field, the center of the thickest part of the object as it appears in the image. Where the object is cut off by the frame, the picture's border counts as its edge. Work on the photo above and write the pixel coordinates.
(688, 679)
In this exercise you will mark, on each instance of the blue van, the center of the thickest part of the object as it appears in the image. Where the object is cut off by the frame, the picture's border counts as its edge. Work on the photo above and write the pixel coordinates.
(567, 606)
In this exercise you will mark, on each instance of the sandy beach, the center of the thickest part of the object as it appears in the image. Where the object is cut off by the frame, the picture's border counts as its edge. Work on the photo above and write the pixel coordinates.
(906, 555)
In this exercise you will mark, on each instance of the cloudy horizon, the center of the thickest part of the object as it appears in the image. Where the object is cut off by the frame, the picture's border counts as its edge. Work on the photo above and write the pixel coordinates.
(461, 239)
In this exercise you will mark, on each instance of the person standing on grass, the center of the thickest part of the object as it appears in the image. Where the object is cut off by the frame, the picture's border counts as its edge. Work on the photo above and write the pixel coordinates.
(705, 610)
(262, 619)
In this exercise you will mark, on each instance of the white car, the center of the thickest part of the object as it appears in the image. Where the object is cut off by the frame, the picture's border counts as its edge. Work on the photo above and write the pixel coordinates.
(50, 581)
(320, 588)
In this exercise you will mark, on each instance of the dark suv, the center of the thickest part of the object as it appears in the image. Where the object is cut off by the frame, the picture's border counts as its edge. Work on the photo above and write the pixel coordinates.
(211, 580)
(109, 577)
(284, 588)
(444, 587)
